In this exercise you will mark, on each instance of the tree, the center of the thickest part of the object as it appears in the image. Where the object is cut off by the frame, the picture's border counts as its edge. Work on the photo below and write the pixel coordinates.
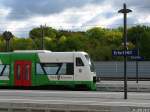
(144, 45)
(36, 35)
(7, 35)
(135, 33)
(140, 37)
(96, 33)
(113, 37)
(22, 44)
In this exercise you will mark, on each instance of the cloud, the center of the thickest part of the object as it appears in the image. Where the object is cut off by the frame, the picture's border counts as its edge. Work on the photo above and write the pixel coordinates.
(118, 22)
(20, 16)
(22, 9)
(137, 6)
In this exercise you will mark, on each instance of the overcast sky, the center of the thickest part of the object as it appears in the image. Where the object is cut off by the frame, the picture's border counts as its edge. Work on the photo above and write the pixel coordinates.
(20, 16)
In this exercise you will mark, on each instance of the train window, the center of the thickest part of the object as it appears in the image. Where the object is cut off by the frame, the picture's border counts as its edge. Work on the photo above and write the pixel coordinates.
(4, 70)
(66, 69)
(51, 68)
(79, 62)
(88, 59)
(70, 68)
(62, 70)
(92, 67)
(48, 68)
(39, 69)
(55, 68)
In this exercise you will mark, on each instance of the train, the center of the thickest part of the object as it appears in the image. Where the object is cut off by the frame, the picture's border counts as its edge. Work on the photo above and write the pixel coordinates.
(35, 68)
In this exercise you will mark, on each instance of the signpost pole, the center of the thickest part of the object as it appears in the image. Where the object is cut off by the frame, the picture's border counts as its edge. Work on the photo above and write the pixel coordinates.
(137, 64)
(125, 11)
(137, 72)
(137, 68)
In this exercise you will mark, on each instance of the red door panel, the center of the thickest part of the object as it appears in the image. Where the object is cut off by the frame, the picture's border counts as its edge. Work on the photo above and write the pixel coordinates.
(22, 75)
(18, 73)
(27, 74)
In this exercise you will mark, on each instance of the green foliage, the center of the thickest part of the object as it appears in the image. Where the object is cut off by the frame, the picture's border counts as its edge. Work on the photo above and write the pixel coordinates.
(113, 37)
(136, 32)
(98, 42)
(145, 45)
(36, 33)
(140, 37)
(96, 33)
(21, 44)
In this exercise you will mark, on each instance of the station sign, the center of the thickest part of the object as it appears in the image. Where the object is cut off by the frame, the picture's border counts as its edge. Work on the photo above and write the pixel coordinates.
(137, 58)
(124, 53)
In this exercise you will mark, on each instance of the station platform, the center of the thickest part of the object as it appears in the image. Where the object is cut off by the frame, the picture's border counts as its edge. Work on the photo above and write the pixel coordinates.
(118, 86)
(72, 101)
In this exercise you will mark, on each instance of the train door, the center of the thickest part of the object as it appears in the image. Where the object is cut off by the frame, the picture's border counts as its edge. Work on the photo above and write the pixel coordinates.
(22, 73)
(79, 68)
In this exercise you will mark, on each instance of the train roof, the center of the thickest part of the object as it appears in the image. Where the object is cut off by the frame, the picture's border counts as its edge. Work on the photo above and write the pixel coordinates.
(32, 51)
(47, 51)
(42, 53)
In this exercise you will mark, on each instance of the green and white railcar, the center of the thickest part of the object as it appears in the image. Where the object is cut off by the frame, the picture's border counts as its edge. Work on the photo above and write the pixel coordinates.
(43, 68)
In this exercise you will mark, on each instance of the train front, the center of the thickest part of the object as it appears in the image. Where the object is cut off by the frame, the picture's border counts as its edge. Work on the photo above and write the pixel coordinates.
(92, 70)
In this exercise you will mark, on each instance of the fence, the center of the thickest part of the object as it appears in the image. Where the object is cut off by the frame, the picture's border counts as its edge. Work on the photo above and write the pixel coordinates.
(116, 69)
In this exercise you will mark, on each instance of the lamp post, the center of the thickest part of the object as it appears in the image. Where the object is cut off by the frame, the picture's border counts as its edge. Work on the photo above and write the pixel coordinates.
(125, 11)
(42, 37)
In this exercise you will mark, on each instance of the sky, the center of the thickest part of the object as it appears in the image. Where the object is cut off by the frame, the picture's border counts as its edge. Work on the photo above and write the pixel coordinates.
(20, 16)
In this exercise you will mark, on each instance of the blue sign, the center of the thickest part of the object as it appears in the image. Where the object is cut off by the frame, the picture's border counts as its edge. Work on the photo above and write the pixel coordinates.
(137, 58)
(124, 53)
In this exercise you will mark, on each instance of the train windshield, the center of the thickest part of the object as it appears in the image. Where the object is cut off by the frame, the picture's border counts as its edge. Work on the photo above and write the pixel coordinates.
(90, 63)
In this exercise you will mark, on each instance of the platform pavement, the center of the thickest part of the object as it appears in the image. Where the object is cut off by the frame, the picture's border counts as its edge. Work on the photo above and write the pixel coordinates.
(72, 101)
(117, 86)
